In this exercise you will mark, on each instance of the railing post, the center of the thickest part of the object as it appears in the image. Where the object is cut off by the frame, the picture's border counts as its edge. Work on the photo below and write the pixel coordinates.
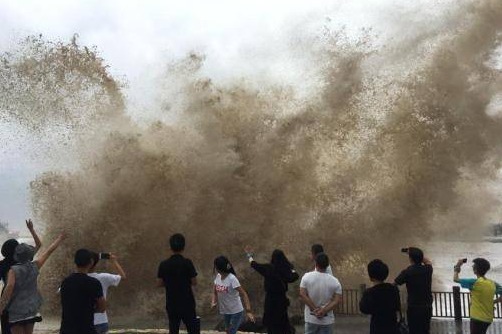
(457, 304)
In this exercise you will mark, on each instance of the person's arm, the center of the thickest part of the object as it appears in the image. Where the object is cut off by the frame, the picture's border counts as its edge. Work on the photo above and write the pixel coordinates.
(456, 271)
(193, 274)
(9, 288)
(214, 298)
(333, 303)
(366, 305)
(45, 255)
(401, 278)
(304, 296)
(117, 266)
(262, 269)
(247, 303)
(36, 239)
(427, 261)
(100, 305)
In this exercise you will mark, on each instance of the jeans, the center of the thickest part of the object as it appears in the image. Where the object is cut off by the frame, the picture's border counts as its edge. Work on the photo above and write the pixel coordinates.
(311, 328)
(101, 328)
(233, 322)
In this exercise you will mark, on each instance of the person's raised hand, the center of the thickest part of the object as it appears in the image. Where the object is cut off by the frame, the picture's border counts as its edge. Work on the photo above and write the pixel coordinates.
(113, 257)
(460, 262)
(29, 224)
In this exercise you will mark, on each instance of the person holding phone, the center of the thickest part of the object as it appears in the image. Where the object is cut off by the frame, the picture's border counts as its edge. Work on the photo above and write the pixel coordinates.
(483, 291)
(277, 275)
(418, 280)
(107, 280)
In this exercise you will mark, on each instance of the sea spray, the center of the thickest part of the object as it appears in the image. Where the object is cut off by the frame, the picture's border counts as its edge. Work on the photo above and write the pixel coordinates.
(379, 156)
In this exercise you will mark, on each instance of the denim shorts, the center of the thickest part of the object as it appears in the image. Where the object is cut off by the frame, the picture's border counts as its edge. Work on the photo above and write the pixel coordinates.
(311, 328)
(233, 322)
(101, 328)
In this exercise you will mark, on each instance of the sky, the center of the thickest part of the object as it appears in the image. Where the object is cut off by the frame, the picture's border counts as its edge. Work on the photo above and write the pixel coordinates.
(240, 38)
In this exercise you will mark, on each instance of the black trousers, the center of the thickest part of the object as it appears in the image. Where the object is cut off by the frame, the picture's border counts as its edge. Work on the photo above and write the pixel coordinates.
(5, 323)
(189, 318)
(479, 327)
(419, 319)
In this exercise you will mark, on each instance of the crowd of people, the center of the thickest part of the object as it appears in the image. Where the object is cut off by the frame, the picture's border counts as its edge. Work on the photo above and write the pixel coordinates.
(84, 292)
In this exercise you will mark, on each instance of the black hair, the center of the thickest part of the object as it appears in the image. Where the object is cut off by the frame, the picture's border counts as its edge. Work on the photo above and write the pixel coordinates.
(95, 259)
(177, 242)
(322, 261)
(481, 266)
(416, 255)
(223, 265)
(83, 257)
(378, 270)
(8, 248)
(316, 249)
(282, 265)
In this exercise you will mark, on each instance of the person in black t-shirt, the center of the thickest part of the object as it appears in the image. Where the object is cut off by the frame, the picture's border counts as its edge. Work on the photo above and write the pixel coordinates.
(418, 280)
(381, 301)
(177, 275)
(81, 297)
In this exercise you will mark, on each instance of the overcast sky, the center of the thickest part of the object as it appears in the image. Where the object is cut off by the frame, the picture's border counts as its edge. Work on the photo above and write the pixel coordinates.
(136, 36)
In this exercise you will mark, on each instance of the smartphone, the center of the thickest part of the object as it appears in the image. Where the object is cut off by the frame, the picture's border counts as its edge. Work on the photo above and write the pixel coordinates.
(404, 250)
(104, 256)
(464, 260)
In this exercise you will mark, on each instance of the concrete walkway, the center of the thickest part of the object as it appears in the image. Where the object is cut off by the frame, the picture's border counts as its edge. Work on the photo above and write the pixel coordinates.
(344, 325)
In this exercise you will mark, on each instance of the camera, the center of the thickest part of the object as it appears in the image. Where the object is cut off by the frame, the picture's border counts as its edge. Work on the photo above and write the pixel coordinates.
(404, 250)
(104, 256)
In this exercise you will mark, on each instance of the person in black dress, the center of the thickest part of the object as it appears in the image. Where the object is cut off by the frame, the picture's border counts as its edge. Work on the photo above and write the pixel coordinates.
(277, 274)
(8, 249)
(381, 301)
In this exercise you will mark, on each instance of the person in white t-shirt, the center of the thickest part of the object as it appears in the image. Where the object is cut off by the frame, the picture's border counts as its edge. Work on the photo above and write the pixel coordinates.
(107, 280)
(228, 295)
(318, 249)
(321, 293)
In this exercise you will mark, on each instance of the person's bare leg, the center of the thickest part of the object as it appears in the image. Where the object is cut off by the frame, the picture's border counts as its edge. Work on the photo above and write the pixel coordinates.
(17, 329)
(28, 328)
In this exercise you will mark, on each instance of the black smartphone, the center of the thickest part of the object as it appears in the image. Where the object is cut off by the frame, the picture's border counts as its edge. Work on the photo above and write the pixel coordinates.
(104, 256)
(404, 250)
(464, 260)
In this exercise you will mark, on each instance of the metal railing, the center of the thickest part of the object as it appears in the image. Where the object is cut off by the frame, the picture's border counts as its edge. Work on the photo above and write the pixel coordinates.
(446, 304)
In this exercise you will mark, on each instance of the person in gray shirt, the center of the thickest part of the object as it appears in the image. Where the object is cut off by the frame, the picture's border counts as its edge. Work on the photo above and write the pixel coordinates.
(21, 292)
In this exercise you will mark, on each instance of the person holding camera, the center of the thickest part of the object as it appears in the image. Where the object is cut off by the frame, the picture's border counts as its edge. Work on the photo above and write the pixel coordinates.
(483, 291)
(107, 280)
(381, 301)
(418, 280)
